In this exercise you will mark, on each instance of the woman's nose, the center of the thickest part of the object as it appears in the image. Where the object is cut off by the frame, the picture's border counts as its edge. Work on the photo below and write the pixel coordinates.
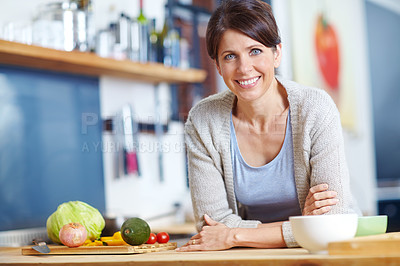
(245, 65)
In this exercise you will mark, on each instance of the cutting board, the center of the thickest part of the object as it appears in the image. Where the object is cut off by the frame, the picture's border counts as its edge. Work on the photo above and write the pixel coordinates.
(98, 250)
(384, 244)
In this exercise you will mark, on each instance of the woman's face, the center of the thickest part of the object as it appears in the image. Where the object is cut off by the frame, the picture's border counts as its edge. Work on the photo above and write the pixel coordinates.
(247, 66)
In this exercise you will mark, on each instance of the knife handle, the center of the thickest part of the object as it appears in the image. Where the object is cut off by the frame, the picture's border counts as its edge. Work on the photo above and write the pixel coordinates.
(38, 241)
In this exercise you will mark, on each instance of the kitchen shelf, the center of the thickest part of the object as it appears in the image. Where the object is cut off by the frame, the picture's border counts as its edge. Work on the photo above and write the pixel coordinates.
(90, 64)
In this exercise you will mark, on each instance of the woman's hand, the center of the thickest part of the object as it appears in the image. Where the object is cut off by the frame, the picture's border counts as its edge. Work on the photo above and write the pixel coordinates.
(319, 200)
(214, 236)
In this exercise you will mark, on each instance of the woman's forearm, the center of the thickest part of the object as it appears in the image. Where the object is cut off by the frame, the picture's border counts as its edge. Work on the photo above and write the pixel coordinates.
(217, 236)
(264, 236)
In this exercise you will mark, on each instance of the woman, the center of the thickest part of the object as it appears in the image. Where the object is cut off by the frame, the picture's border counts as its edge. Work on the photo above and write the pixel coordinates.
(264, 150)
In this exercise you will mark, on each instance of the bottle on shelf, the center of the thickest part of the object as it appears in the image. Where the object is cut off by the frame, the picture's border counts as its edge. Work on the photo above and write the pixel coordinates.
(160, 41)
(91, 27)
(135, 40)
(141, 18)
(86, 20)
(170, 38)
(143, 35)
(171, 47)
(123, 38)
(153, 42)
(184, 48)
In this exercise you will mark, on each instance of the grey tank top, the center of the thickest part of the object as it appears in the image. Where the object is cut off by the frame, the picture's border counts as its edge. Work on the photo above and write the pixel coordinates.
(266, 193)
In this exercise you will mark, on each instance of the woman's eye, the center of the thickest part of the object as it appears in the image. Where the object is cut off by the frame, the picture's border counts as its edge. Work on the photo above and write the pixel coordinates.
(229, 57)
(255, 51)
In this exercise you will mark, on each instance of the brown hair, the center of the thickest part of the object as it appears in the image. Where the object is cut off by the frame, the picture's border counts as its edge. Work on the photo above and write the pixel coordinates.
(253, 18)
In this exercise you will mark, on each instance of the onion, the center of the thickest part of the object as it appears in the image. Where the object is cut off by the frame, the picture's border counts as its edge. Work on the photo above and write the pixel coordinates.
(73, 235)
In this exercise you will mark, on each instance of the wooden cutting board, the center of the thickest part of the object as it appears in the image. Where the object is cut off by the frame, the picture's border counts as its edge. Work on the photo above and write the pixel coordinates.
(384, 244)
(98, 250)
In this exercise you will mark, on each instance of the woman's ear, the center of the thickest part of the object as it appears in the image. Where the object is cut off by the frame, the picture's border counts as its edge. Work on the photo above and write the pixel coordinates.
(277, 55)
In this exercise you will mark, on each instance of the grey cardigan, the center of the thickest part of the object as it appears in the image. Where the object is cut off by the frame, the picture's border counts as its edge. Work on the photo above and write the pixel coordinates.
(318, 155)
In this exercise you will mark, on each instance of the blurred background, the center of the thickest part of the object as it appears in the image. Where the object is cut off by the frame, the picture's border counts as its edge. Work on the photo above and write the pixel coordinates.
(117, 143)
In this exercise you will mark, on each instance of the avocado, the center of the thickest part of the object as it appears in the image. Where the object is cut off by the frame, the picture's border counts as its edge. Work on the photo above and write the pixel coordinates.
(135, 231)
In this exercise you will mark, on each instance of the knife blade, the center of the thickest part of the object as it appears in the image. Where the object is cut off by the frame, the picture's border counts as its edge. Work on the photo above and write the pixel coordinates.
(40, 246)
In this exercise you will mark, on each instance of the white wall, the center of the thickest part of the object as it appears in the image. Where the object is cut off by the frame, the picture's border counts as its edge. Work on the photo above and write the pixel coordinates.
(359, 147)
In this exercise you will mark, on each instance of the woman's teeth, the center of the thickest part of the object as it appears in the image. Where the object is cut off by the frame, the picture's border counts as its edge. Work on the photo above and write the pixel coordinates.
(248, 82)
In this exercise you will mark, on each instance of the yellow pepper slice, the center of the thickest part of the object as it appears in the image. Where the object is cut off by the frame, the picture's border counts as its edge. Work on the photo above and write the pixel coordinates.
(117, 235)
(87, 241)
(115, 242)
(93, 243)
(105, 238)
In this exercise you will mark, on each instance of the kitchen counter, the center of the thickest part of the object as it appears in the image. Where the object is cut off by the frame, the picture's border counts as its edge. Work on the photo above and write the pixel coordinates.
(236, 256)
(176, 229)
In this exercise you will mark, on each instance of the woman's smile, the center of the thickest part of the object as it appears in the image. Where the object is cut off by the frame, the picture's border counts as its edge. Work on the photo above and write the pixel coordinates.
(248, 83)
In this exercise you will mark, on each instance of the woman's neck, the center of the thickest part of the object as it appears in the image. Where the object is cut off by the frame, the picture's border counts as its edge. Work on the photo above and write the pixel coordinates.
(263, 111)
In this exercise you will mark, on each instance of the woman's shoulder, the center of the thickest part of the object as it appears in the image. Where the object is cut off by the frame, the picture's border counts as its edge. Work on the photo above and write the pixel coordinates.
(213, 106)
(307, 98)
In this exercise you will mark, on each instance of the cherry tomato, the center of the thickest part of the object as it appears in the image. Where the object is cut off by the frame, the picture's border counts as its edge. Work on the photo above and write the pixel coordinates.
(152, 239)
(162, 237)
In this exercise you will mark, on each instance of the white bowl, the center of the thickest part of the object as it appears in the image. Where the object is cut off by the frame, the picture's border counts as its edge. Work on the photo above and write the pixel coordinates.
(314, 232)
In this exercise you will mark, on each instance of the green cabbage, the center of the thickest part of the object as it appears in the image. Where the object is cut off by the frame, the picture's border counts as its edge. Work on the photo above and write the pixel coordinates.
(75, 212)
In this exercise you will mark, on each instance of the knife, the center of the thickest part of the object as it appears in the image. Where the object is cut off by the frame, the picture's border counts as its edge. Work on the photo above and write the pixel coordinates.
(40, 246)
(159, 132)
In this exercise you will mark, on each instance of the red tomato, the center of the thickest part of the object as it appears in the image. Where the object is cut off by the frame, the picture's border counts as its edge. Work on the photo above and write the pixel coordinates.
(162, 237)
(327, 48)
(152, 239)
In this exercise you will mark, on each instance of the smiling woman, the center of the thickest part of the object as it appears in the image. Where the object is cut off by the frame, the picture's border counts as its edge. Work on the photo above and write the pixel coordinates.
(264, 150)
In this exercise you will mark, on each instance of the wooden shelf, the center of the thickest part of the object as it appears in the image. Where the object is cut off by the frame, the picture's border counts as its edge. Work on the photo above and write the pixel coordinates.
(31, 56)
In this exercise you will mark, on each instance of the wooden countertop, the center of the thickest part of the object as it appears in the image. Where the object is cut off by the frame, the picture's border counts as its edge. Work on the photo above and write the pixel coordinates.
(236, 256)
(177, 229)
(75, 62)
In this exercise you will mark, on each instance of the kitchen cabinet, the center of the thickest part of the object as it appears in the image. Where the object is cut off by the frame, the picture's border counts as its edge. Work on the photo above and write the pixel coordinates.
(90, 64)
(235, 256)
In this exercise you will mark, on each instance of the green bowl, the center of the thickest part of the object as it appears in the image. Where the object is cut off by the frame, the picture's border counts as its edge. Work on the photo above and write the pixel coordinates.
(372, 225)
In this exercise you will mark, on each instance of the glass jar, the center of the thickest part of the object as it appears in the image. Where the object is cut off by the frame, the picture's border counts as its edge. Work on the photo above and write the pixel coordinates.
(61, 25)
